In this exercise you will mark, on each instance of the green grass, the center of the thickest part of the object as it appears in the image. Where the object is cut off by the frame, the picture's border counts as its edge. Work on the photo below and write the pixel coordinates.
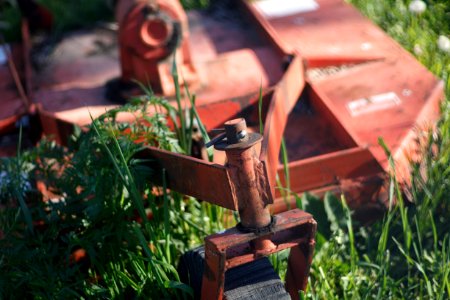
(417, 33)
(407, 254)
(68, 15)
(100, 198)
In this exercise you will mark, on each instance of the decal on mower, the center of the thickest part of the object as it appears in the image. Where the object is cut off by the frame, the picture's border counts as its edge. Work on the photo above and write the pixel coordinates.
(277, 8)
(371, 104)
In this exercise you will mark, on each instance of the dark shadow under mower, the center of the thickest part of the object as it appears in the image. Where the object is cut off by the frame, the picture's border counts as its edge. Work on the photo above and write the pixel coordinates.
(255, 280)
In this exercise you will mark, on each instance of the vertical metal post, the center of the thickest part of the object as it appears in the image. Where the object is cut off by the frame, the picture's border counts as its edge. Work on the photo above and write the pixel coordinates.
(247, 175)
(253, 212)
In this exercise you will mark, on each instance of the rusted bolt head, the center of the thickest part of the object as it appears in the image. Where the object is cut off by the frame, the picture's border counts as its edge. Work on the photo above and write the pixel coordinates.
(241, 134)
(237, 136)
(236, 130)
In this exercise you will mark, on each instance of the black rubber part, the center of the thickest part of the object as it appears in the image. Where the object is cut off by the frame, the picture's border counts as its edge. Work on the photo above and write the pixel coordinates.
(256, 280)
(119, 91)
(258, 230)
(190, 269)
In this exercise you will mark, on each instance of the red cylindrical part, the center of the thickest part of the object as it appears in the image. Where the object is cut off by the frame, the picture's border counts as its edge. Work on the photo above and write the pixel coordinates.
(252, 209)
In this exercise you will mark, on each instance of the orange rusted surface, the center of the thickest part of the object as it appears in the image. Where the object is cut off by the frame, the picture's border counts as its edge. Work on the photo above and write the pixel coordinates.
(247, 174)
(294, 229)
(333, 32)
(285, 96)
(383, 99)
(12, 106)
(149, 33)
(356, 84)
(372, 87)
(332, 83)
(243, 185)
(201, 179)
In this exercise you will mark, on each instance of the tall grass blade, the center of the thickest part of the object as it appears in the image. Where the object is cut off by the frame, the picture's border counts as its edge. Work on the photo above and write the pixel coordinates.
(180, 109)
(18, 183)
(260, 104)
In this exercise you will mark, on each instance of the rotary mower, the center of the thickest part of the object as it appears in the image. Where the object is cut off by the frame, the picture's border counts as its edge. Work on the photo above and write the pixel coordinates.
(316, 72)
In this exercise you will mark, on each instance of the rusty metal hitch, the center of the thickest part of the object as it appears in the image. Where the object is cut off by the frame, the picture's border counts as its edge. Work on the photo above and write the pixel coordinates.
(242, 184)
(245, 183)
(258, 234)
(294, 229)
(247, 173)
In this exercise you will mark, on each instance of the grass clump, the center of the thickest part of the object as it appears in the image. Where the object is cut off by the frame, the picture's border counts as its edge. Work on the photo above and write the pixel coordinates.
(69, 15)
(406, 255)
(402, 256)
(100, 228)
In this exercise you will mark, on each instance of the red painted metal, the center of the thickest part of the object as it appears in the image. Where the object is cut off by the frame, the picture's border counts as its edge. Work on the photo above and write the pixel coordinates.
(201, 179)
(334, 33)
(375, 64)
(14, 101)
(416, 88)
(243, 185)
(149, 32)
(331, 168)
(294, 229)
(285, 96)
(354, 83)
(249, 178)
(233, 66)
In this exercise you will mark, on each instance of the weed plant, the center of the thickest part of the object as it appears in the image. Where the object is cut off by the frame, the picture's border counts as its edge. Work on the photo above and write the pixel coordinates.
(99, 198)
(101, 229)
(68, 15)
(406, 255)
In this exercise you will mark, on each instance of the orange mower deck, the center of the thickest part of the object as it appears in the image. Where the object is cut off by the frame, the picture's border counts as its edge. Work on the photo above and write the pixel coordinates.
(333, 84)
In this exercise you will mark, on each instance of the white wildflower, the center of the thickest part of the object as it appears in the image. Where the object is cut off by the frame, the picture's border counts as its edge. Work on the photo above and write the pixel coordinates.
(444, 43)
(4, 179)
(435, 136)
(417, 6)
(418, 50)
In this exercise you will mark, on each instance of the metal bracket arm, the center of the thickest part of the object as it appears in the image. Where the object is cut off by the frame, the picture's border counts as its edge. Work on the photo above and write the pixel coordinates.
(294, 229)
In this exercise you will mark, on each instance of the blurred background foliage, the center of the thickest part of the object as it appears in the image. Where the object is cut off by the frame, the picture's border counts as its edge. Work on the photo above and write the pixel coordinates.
(69, 14)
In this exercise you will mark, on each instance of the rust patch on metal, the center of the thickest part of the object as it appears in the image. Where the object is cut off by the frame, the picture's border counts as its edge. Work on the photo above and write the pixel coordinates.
(201, 179)
(262, 181)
